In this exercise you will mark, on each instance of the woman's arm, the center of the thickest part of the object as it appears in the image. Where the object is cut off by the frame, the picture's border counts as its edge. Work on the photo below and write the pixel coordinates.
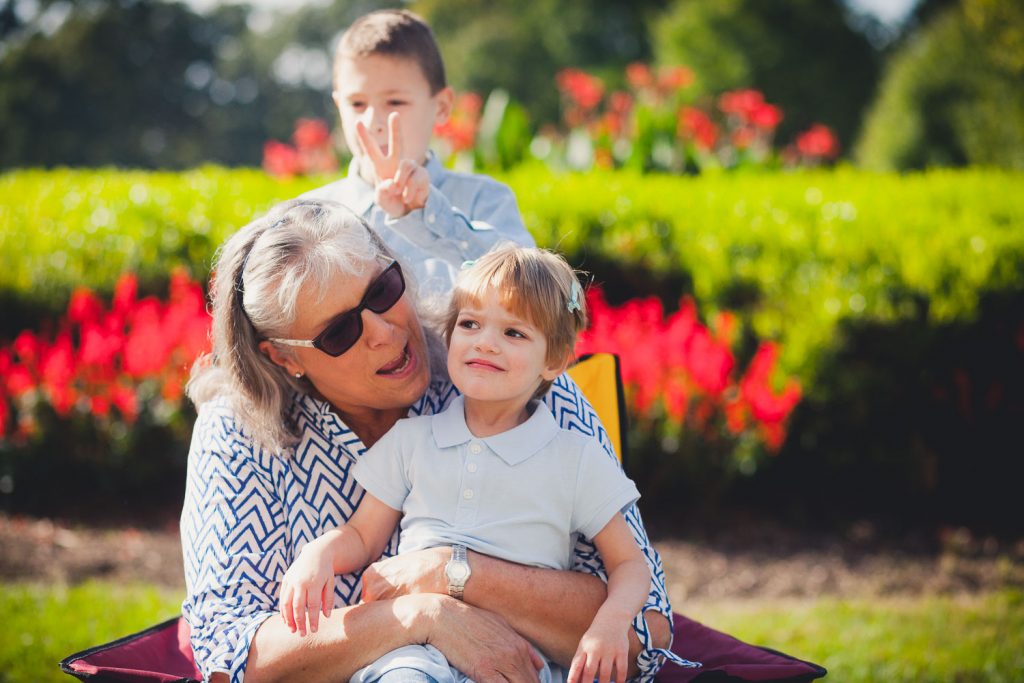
(548, 607)
(477, 642)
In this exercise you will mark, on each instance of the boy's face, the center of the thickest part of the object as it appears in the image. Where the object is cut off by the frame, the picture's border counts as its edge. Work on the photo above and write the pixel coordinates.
(497, 357)
(370, 88)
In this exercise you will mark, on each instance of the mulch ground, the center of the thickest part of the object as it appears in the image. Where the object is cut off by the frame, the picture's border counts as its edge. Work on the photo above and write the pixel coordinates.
(748, 561)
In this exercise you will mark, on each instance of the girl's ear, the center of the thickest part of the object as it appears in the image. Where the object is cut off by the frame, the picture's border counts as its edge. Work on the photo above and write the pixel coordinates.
(444, 100)
(553, 370)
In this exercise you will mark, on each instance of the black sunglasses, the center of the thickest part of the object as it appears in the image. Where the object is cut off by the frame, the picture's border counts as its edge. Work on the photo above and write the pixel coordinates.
(344, 331)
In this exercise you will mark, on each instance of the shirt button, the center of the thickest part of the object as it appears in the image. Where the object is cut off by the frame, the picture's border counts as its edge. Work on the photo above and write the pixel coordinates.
(464, 245)
(471, 467)
(467, 494)
(474, 449)
(430, 218)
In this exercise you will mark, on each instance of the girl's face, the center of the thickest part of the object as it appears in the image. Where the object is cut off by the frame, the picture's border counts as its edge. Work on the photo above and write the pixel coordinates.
(496, 356)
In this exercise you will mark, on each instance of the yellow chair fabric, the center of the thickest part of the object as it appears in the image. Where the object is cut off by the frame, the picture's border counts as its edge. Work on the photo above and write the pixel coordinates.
(598, 377)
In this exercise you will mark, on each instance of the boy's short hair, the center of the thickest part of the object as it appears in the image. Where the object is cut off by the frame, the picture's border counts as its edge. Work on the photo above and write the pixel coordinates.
(394, 33)
(534, 284)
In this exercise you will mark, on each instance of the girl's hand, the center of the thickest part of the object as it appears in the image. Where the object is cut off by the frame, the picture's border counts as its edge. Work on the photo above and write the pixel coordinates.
(308, 588)
(603, 654)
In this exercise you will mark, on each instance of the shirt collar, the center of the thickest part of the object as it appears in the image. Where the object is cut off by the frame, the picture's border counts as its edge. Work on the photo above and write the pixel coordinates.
(513, 446)
(363, 195)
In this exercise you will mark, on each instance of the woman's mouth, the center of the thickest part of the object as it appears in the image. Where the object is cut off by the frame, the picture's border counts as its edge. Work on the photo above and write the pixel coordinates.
(399, 366)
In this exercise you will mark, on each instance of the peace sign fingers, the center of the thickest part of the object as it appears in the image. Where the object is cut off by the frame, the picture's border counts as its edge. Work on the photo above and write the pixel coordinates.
(384, 165)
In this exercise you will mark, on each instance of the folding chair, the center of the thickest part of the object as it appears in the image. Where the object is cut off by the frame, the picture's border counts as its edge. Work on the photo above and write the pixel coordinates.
(163, 654)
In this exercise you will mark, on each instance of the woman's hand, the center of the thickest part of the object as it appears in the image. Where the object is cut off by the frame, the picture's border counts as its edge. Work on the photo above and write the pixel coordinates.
(481, 644)
(420, 571)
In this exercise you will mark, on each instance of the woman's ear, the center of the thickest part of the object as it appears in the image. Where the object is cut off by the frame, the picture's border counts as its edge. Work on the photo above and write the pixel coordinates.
(279, 357)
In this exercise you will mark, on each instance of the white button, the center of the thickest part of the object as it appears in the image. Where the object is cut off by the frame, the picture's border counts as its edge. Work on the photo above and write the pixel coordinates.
(464, 245)
(467, 494)
(430, 218)
(475, 448)
(471, 467)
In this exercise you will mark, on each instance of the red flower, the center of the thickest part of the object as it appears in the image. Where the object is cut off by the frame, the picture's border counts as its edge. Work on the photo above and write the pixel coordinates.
(585, 90)
(818, 142)
(126, 402)
(741, 103)
(280, 160)
(84, 306)
(766, 116)
(674, 78)
(27, 347)
(125, 292)
(697, 126)
(639, 76)
(311, 133)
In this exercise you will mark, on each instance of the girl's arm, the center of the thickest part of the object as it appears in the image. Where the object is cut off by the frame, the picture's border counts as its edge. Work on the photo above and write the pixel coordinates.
(308, 585)
(602, 652)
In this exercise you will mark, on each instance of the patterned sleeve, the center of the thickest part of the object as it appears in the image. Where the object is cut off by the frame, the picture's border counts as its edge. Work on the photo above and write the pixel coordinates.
(234, 543)
(573, 411)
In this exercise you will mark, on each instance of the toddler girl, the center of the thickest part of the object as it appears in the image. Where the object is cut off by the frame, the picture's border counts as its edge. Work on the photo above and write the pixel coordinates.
(493, 473)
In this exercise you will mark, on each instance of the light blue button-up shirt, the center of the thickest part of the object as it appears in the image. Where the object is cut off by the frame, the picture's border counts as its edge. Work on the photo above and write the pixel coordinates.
(524, 495)
(465, 215)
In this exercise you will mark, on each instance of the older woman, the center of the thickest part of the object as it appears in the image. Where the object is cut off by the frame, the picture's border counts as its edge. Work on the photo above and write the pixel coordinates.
(317, 351)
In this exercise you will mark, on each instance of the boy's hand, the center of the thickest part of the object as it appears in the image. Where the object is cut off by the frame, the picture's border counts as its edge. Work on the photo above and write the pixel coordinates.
(308, 586)
(603, 654)
(402, 184)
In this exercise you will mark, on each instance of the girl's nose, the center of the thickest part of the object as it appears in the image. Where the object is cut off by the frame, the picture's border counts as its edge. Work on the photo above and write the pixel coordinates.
(485, 342)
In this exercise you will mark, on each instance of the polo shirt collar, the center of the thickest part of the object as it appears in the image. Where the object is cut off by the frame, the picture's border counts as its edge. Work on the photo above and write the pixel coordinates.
(514, 446)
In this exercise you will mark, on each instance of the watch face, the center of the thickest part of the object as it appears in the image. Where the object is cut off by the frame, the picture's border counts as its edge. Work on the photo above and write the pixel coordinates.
(458, 572)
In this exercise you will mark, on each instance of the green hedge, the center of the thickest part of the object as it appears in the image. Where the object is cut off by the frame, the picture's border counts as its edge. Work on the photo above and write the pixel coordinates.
(898, 300)
(798, 253)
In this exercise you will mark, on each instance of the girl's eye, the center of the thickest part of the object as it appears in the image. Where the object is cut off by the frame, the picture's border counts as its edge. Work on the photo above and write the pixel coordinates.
(467, 324)
(357, 106)
(516, 334)
(396, 103)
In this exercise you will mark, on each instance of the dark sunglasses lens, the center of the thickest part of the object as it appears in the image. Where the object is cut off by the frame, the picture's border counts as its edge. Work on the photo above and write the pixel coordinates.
(386, 290)
(341, 334)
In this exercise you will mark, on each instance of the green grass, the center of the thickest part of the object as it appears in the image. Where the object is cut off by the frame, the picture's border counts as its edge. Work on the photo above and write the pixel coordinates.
(929, 639)
(892, 639)
(42, 624)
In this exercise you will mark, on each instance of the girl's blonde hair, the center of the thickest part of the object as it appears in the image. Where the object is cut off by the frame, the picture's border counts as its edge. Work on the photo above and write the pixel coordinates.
(534, 284)
(259, 272)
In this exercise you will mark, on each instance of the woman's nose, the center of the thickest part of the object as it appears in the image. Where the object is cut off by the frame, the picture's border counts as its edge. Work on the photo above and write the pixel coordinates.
(377, 330)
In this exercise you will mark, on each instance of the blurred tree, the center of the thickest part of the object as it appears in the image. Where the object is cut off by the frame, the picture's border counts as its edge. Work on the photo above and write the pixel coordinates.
(520, 46)
(952, 94)
(804, 55)
(105, 85)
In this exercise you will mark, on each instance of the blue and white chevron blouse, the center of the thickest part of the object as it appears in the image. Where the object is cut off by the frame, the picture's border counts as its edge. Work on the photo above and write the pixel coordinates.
(247, 513)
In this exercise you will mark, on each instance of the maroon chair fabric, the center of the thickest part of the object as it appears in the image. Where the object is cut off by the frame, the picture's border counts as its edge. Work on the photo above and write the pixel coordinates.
(162, 654)
(725, 658)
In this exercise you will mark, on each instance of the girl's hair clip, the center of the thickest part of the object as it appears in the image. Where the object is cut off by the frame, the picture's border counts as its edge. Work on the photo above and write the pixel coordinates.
(574, 297)
(467, 264)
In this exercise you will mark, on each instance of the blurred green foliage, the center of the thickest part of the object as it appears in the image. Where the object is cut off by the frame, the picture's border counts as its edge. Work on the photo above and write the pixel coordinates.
(952, 95)
(802, 54)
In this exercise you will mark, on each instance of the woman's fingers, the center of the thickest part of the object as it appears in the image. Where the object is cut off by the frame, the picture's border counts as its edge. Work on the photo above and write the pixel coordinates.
(604, 671)
(286, 606)
(576, 667)
(327, 597)
(299, 608)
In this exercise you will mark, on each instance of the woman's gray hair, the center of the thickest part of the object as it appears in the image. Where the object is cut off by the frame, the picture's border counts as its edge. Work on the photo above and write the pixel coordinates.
(258, 274)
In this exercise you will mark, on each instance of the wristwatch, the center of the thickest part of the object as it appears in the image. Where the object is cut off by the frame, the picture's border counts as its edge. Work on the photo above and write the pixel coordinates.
(457, 571)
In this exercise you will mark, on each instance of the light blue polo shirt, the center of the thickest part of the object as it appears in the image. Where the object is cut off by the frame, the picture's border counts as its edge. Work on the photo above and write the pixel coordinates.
(523, 495)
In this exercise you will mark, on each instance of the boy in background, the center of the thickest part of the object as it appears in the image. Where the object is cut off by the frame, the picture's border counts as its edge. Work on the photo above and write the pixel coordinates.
(390, 89)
